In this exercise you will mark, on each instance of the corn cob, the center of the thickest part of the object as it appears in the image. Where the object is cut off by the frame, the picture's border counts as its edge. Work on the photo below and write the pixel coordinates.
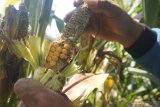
(77, 23)
(62, 51)
(49, 78)
(48, 75)
(9, 28)
(23, 22)
(56, 83)
(39, 73)
(59, 55)
(10, 22)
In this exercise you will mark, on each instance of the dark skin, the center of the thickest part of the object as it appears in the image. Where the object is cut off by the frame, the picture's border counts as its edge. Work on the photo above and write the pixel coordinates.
(109, 22)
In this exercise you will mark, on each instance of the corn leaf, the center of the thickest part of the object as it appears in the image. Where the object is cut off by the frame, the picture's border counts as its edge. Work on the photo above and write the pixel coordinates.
(24, 52)
(145, 74)
(151, 11)
(44, 17)
(134, 6)
(34, 14)
(45, 49)
(91, 57)
(59, 23)
(34, 47)
(83, 84)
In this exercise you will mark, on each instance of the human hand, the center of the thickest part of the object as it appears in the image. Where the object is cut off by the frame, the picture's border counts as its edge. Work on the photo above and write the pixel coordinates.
(108, 21)
(33, 94)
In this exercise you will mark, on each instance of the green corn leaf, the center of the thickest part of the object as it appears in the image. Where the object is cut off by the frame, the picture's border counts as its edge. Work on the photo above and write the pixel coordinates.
(25, 53)
(34, 47)
(135, 5)
(34, 14)
(44, 17)
(71, 69)
(59, 23)
(91, 57)
(145, 74)
(45, 49)
(151, 11)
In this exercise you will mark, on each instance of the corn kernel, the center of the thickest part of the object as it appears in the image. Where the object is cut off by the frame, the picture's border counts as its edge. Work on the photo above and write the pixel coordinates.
(48, 58)
(63, 56)
(59, 49)
(55, 45)
(52, 63)
(56, 54)
(64, 51)
(66, 46)
(54, 58)
(52, 49)
(50, 54)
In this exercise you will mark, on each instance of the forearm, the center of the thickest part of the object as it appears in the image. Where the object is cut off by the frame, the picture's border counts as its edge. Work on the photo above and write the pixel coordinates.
(146, 51)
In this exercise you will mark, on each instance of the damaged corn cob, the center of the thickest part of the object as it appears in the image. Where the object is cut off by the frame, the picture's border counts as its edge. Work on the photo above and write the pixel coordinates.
(59, 55)
(61, 52)
(23, 22)
(77, 23)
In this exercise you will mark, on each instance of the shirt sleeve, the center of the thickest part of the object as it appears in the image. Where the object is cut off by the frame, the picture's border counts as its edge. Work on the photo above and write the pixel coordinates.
(151, 59)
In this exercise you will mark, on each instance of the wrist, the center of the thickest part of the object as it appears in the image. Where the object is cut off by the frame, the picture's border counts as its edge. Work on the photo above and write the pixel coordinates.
(143, 44)
(133, 33)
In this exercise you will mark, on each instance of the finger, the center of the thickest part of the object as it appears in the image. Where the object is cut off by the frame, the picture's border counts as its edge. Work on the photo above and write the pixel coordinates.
(107, 7)
(77, 3)
(33, 94)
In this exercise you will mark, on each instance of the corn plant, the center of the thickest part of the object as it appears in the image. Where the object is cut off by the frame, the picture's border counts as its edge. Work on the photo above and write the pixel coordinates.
(74, 58)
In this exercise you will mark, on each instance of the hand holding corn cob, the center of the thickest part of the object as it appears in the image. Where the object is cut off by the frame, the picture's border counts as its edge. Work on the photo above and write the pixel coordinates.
(108, 21)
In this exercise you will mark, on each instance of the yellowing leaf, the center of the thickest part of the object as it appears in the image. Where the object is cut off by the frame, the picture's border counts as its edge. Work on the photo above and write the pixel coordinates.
(34, 44)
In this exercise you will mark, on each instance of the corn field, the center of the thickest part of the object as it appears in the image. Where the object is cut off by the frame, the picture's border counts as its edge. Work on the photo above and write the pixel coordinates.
(72, 62)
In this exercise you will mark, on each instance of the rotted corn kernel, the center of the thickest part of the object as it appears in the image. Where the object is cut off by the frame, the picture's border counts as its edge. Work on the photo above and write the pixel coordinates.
(49, 58)
(50, 53)
(56, 54)
(59, 49)
(52, 63)
(77, 23)
(64, 51)
(54, 58)
(52, 49)
(55, 45)
(66, 46)
(63, 56)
